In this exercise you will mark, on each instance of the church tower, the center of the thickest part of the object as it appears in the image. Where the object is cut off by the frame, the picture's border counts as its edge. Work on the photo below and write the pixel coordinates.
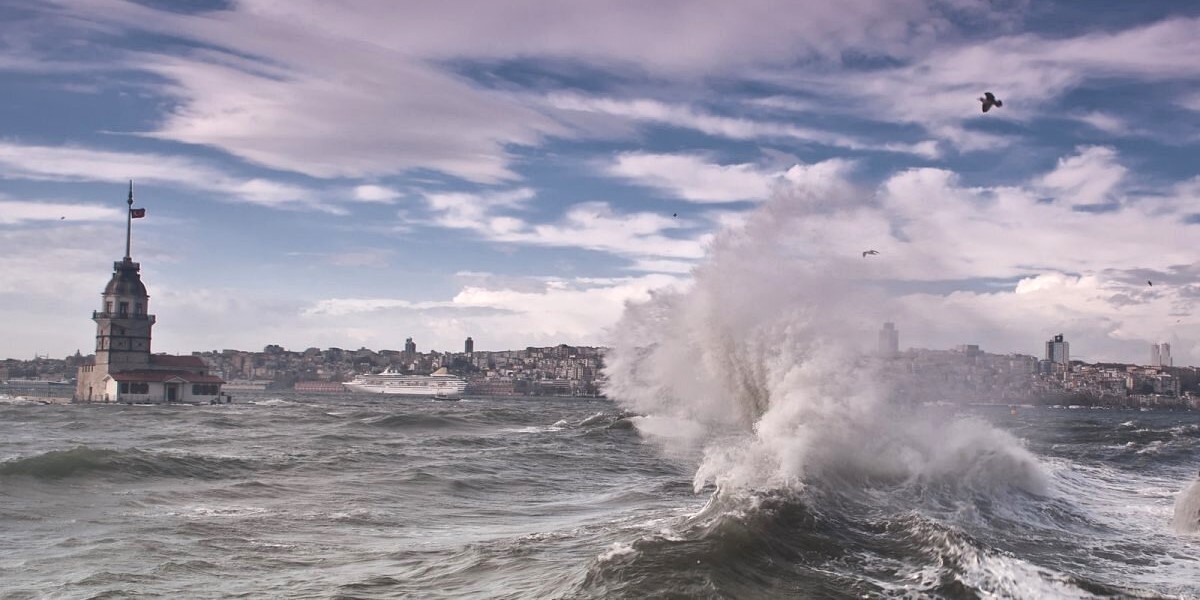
(123, 323)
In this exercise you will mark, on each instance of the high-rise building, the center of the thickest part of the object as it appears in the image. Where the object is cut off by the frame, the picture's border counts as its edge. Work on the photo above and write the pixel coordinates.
(410, 347)
(889, 340)
(1160, 355)
(1058, 350)
(469, 345)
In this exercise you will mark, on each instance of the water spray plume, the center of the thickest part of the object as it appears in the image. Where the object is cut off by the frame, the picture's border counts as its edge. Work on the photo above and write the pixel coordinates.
(763, 369)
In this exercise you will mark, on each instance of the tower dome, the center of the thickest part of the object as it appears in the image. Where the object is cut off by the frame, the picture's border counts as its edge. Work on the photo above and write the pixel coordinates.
(126, 281)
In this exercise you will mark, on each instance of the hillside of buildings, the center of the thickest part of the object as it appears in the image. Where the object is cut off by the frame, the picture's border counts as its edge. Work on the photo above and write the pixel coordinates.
(962, 375)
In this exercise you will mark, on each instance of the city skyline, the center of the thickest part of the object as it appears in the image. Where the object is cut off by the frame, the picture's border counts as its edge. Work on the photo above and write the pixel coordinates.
(350, 177)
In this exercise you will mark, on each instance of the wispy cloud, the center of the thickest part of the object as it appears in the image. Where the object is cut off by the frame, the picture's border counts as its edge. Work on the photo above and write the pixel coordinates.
(1029, 72)
(14, 212)
(736, 128)
(75, 163)
(694, 177)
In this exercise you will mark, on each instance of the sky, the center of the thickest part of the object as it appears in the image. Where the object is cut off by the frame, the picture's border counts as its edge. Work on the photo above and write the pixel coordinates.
(350, 174)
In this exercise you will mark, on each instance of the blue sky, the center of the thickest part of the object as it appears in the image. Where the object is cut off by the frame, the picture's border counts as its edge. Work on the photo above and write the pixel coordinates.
(351, 174)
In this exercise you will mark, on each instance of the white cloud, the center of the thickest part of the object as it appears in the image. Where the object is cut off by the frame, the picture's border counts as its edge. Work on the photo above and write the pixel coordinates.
(537, 311)
(735, 128)
(1089, 177)
(1026, 71)
(1105, 122)
(375, 193)
(17, 212)
(73, 163)
(693, 177)
(590, 225)
(358, 111)
(1191, 102)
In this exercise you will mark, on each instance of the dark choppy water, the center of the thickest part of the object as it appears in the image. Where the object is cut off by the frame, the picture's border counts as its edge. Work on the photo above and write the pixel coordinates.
(365, 497)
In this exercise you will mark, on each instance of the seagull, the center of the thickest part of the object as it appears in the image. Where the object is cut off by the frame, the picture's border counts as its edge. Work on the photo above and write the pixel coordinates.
(866, 252)
(989, 101)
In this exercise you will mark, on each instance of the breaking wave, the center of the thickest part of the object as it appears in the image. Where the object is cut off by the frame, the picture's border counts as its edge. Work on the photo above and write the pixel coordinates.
(758, 374)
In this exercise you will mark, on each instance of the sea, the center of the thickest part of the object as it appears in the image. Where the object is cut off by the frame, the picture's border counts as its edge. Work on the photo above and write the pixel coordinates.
(283, 495)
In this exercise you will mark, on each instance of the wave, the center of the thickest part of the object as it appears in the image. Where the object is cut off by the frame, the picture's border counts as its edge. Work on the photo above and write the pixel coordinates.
(822, 480)
(83, 461)
(416, 421)
(756, 373)
(790, 543)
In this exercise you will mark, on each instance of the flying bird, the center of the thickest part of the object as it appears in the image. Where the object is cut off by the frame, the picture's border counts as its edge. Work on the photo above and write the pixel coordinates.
(866, 252)
(674, 214)
(989, 101)
(1149, 283)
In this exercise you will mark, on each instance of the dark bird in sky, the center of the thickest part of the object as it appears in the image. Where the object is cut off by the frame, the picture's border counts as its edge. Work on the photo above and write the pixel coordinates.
(1149, 283)
(61, 218)
(989, 101)
(674, 214)
(866, 252)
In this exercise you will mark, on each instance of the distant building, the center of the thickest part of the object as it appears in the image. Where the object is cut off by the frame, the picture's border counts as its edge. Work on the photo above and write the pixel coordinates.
(1160, 355)
(1058, 350)
(889, 340)
(410, 347)
(124, 370)
(469, 345)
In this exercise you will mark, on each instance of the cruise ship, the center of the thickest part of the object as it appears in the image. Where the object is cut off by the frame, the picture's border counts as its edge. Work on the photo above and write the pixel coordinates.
(441, 384)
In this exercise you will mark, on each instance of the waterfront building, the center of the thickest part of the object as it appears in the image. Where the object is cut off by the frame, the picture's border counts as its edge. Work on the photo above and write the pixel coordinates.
(123, 369)
(889, 340)
(469, 345)
(410, 347)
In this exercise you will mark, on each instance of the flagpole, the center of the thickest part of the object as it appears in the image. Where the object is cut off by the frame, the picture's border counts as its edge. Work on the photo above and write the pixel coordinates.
(129, 222)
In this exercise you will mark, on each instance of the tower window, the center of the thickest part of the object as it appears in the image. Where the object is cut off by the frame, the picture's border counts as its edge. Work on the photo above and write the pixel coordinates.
(123, 308)
(108, 307)
(139, 309)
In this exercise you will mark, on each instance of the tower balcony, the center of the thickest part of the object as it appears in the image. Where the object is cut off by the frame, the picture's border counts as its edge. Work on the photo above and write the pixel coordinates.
(99, 314)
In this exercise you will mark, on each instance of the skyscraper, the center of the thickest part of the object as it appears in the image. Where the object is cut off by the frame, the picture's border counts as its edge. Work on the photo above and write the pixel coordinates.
(1160, 355)
(1058, 350)
(469, 345)
(889, 340)
(410, 347)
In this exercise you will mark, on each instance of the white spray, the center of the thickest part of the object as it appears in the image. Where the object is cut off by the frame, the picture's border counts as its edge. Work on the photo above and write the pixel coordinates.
(763, 366)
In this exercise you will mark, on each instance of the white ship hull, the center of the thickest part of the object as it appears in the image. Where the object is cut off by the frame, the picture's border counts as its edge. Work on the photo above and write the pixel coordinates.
(438, 385)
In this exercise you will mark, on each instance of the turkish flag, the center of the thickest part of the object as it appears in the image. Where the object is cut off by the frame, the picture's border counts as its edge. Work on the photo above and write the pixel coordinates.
(137, 213)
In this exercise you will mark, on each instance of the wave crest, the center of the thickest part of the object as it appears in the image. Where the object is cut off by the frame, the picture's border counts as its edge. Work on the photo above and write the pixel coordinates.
(83, 461)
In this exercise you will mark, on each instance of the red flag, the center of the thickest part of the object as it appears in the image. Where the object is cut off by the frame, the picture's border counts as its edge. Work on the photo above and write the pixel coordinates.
(137, 213)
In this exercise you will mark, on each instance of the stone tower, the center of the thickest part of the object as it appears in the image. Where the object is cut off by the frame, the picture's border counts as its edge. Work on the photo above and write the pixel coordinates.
(123, 323)
(123, 369)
